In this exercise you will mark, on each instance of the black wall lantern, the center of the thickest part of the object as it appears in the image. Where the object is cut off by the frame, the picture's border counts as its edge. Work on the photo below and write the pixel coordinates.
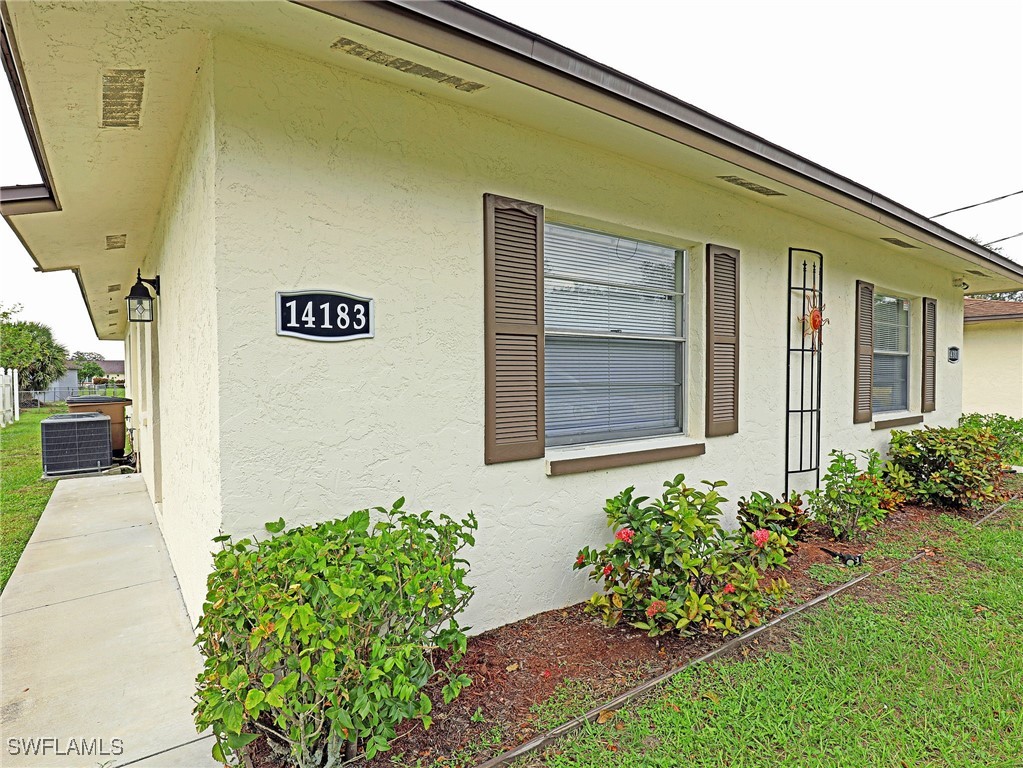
(140, 302)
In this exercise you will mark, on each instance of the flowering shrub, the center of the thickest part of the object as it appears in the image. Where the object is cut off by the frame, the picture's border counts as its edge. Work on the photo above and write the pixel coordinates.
(850, 501)
(1008, 433)
(762, 510)
(951, 466)
(672, 567)
(626, 535)
(324, 636)
(762, 548)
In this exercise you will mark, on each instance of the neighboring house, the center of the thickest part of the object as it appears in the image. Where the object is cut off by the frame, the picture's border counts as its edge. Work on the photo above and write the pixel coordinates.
(62, 388)
(579, 283)
(993, 357)
(112, 368)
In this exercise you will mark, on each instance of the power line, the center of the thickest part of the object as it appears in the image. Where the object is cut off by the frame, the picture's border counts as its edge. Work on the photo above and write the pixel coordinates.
(967, 207)
(1003, 239)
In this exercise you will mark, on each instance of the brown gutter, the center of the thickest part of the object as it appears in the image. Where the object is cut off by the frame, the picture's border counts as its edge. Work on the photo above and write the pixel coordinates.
(467, 34)
(991, 318)
(27, 198)
(464, 33)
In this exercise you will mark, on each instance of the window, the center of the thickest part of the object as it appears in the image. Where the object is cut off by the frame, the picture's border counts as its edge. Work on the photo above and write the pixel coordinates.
(890, 391)
(614, 336)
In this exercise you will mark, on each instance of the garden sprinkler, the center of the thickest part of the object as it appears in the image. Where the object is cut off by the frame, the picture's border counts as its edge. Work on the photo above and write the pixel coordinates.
(847, 559)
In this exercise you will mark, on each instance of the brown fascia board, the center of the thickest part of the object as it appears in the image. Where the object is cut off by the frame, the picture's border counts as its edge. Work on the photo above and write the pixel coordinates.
(480, 28)
(27, 198)
(991, 318)
(453, 19)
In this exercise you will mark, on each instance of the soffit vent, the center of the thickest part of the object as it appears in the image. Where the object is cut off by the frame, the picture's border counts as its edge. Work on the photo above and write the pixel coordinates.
(114, 287)
(896, 241)
(353, 48)
(977, 272)
(116, 241)
(752, 186)
(112, 311)
(122, 97)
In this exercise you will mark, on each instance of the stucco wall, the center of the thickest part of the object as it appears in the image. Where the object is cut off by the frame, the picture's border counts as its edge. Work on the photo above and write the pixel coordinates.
(993, 368)
(326, 180)
(174, 359)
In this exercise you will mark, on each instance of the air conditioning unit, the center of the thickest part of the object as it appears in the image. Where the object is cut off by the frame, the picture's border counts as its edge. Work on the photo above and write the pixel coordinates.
(76, 442)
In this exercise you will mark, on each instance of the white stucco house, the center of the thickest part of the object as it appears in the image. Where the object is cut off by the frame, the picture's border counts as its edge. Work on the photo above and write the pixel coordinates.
(993, 357)
(577, 283)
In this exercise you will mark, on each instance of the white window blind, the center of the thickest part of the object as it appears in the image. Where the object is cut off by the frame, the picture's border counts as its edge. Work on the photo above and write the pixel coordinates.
(614, 336)
(891, 353)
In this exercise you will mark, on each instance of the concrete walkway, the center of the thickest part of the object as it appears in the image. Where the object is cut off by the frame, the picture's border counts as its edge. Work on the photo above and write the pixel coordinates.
(97, 647)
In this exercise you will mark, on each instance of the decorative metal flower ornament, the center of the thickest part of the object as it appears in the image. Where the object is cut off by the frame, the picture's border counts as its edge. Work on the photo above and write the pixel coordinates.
(813, 319)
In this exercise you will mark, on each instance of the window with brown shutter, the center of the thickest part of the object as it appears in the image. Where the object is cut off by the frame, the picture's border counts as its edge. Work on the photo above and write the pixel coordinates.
(722, 341)
(513, 327)
(863, 370)
(929, 354)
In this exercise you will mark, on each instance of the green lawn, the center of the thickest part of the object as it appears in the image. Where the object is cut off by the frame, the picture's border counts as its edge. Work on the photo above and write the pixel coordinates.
(103, 389)
(23, 495)
(923, 667)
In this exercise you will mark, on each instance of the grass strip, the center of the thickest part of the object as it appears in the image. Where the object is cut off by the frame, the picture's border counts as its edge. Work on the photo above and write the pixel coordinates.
(23, 493)
(919, 667)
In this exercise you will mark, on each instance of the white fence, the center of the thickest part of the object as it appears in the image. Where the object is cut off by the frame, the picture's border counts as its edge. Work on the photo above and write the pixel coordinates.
(9, 407)
(42, 398)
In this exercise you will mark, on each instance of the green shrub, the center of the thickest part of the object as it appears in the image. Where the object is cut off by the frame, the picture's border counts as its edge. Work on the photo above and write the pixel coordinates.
(850, 501)
(786, 518)
(951, 466)
(899, 486)
(1008, 433)
(324, 636)
(672, 567)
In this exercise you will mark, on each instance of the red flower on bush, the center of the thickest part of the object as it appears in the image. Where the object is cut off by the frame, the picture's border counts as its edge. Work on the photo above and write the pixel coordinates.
(656, 607)
(580, 560)
(607, 569)
(729, 589)
(625, 534)
(761, 537)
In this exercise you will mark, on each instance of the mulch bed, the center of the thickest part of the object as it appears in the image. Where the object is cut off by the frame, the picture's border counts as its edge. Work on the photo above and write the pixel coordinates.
(518, 666)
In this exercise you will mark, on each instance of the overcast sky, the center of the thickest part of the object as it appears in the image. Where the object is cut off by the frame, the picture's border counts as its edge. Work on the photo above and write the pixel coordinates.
(920, 101)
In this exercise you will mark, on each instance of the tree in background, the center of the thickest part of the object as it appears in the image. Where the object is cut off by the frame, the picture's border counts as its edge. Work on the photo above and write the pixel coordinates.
(87, 357)
(1004, 296)
(31, 348)
(88, 369)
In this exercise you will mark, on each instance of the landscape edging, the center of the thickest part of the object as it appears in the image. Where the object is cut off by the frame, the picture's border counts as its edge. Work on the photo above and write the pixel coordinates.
(537, 742)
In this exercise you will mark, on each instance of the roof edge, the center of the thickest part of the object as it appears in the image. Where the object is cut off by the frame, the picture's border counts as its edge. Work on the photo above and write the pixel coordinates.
(991, 318)
(27, 198)
(467, 22)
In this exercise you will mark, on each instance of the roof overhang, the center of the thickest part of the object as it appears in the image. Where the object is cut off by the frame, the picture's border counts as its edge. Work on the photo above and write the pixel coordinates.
(991, 318)
(476, 37)
(111, 180)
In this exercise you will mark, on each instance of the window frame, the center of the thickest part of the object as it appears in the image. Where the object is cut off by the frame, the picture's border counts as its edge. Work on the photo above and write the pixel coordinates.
(907, 355)
(680, 339)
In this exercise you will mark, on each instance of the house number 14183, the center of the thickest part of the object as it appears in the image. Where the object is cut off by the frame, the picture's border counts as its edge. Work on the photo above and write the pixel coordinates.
(324, 315)
(343, 320)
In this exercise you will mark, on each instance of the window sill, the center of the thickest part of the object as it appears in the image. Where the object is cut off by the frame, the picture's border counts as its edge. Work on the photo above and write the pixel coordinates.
(588, 458)
(897, 419)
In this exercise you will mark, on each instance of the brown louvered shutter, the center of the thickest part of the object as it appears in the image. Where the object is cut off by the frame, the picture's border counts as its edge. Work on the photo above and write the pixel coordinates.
(930, 349)
(863, 370)
(513, 325)
(722, 341)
